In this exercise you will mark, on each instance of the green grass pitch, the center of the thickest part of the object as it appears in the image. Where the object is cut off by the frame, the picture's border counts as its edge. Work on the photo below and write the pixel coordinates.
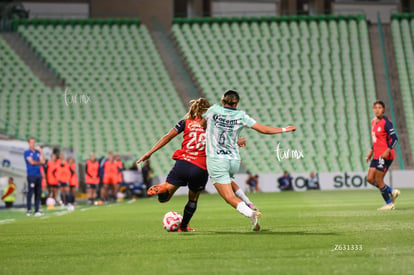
(329, 232)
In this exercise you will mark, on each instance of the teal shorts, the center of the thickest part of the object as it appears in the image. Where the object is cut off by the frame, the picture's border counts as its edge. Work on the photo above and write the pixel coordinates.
(222, 170)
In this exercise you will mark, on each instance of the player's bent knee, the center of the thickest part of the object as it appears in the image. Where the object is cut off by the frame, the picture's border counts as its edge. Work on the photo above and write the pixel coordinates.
(371, 180)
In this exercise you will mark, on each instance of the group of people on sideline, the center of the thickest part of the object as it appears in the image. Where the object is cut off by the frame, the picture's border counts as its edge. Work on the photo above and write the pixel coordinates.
(59, 175)
(103, 178)
(57, 179)
(47, 178)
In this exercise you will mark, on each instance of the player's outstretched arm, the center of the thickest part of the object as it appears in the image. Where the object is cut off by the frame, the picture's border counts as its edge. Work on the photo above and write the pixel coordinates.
(161, 143)
(269, 130)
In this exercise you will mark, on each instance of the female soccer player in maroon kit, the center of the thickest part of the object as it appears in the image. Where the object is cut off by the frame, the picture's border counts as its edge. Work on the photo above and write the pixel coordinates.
(384, 139)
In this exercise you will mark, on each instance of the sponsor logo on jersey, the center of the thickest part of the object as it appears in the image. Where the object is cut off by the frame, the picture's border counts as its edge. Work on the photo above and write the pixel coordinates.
(222, 122)
(223, 152)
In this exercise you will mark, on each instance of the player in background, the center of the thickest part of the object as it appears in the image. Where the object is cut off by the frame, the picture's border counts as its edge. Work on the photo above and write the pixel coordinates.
(120, 166)
(92, 177)
(110, 178)
(62, 173)
(51, 180)
(384, 139)
(73, 182)
(224, 124)
(190, 166)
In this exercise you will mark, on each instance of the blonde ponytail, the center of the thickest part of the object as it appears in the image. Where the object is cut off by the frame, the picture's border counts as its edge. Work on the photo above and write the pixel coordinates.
(197, 108)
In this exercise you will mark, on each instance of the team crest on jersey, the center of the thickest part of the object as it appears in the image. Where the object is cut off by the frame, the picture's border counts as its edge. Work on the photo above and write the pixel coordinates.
(193, 124)
(379, 129)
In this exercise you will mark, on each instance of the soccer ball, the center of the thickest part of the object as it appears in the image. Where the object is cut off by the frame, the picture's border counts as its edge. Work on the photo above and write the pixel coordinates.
(50, 202)
(172, 221)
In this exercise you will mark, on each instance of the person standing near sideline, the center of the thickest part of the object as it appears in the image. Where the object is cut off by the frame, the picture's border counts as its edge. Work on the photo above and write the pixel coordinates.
(120, 178)
(110, 178)
(51, 180)
(73, 181)
(92, 178)
(34, 159)
(63, 176)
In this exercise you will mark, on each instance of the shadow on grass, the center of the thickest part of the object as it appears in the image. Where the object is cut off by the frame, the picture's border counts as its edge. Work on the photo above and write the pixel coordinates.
(267, 232)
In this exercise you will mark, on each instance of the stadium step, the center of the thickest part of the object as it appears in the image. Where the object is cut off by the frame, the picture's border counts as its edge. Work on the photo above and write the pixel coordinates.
(32, 60)
(403, 136)
(381, 87)
(174, 63)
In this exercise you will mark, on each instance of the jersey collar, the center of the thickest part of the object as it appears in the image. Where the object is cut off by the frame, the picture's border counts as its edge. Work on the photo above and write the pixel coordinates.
(230, 108)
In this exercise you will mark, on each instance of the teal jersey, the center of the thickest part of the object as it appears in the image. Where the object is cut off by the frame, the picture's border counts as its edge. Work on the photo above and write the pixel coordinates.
(223, 128)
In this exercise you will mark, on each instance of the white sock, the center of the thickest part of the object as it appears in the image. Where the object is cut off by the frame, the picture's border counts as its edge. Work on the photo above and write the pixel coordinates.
(244, 209)
(239, 193)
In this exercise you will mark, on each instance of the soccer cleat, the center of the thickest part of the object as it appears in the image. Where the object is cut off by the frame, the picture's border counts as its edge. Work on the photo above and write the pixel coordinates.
(28, 213)
(38, 214)
(394, 195)
(188, 229)
(255, 221)
(157, 189)
(388, 206)
(252, 207)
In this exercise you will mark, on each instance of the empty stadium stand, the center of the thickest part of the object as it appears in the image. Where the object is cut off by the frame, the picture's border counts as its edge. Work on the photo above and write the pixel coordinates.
(402, 26)
(312, 72)
(118, 95)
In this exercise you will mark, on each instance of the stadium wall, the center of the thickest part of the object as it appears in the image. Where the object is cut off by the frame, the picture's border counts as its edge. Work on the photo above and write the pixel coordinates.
(227, 8)
(57, 10)
(145, 10)
(369, 9)
(327, 181)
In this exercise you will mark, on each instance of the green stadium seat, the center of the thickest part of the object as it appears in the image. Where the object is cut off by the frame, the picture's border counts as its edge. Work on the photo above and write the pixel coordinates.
(402, 26)
(115, 61)
(281, 66)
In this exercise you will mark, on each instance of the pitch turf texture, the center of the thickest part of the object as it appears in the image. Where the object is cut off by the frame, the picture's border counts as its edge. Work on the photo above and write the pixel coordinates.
(330, 232)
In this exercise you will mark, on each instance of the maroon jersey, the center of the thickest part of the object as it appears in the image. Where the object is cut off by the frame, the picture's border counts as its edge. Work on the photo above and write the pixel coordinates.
(193, 145)
(383, 137)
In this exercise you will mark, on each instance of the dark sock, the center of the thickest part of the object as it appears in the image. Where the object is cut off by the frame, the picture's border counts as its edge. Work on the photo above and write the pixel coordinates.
(386, 194)
(163, 197)
(189, 210)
